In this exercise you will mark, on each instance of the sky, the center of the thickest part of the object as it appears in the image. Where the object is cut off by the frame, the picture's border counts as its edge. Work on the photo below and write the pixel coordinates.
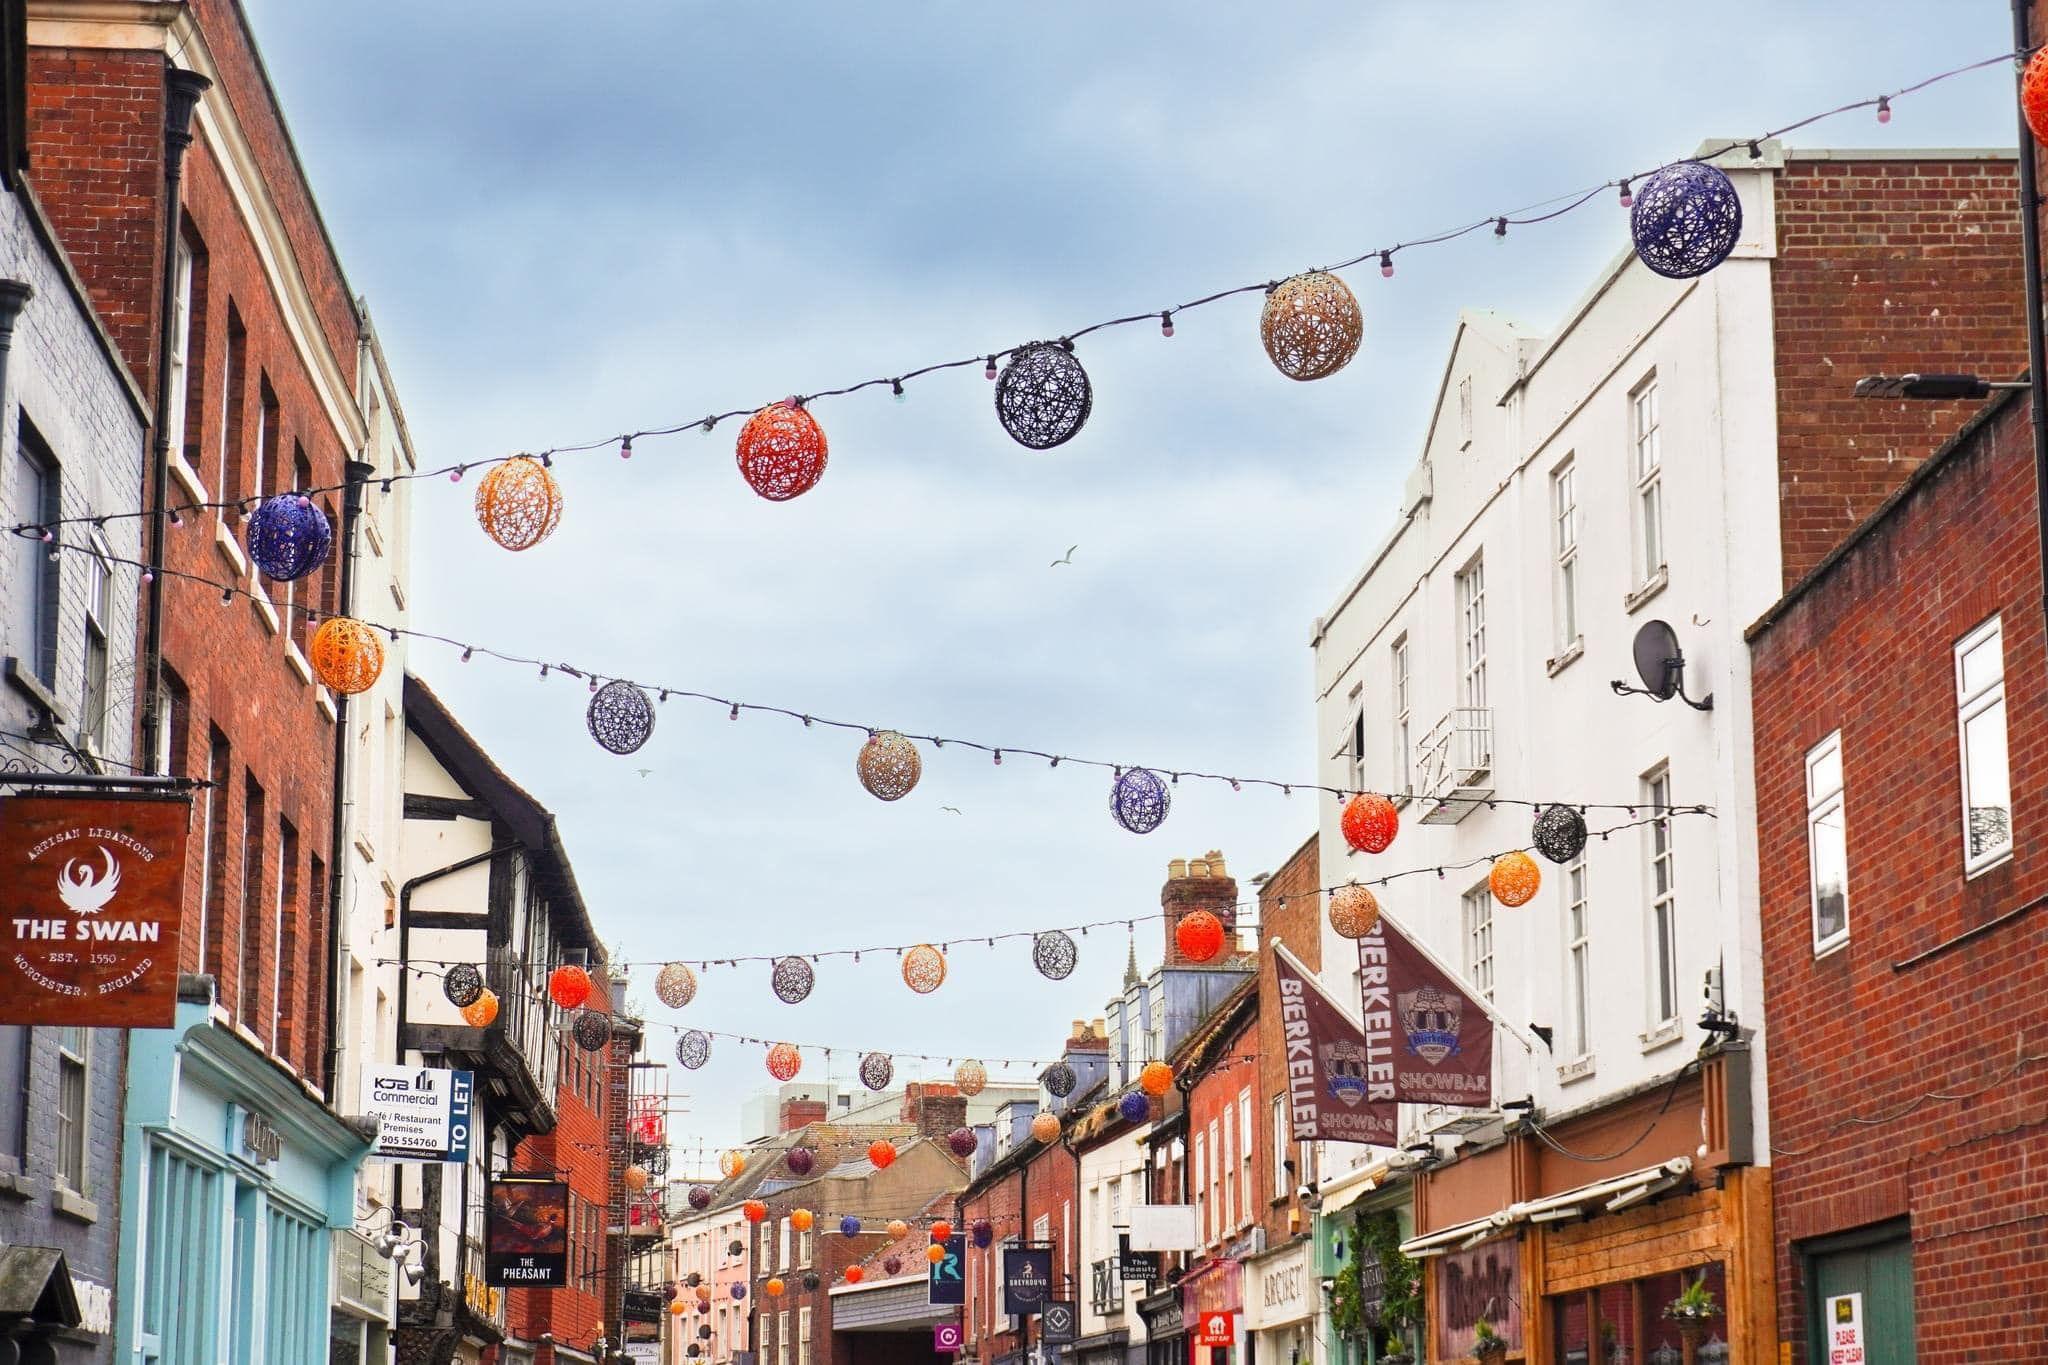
(571, 222)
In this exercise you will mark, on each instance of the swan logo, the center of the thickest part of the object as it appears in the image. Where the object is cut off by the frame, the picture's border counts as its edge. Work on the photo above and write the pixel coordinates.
(86, 891)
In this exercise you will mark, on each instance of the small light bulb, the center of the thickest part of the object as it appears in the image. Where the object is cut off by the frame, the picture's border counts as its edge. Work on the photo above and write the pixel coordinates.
(989, 372)
(176, 520)
(1884, 109)
(455, 474)
(1166, 324)
(227, 595)
(625, 447)
(593, 682)
(1386, 265)
(735, 713)
(467, 652)
(1628, 199)
(48, 535)
(304, 502)
(896, 388)
(999, 758)
(1500, 227)
(148, 576)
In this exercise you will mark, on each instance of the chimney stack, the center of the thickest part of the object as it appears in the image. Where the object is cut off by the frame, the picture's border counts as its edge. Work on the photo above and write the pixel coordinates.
(1194, 884)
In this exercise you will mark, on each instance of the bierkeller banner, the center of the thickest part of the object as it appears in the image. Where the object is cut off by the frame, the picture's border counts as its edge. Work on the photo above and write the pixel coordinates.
(91, 898)
(1440, 1038)
(526, 1232)
(1339, 1084)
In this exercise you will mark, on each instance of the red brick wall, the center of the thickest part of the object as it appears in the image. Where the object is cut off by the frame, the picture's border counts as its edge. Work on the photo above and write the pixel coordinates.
(1290, 912)
(1180, 896)
(1001, 1203)
(1864, 1032)
(1884, 267)
(1052, 1191)
(1214, 1098)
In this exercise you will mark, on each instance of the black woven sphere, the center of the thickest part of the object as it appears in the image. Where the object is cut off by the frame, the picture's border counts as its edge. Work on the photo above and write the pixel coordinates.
(1060, 1080)
(1686, 219)
(693, 1049)
(288, 537)
(462, 985)
(735, 1248)
(1560, 833)
(695, 1278)
(1043, 395)
(593, 1029)
(1054, 954)
(810, 1279)
(876, 1070)
(704, 1332)
(792, 979)
(621, 716)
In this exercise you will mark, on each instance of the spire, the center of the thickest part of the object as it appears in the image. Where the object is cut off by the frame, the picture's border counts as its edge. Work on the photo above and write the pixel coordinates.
(1131, 967)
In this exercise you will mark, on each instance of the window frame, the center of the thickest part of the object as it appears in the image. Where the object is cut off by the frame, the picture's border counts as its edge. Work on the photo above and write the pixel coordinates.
(1646, 478)
(1398, 662)
(1578, 957)
(1564, 548)
(74, 1148)
(95, 684)
(1478, 939)
(183, 262)
(1820, 805)
(1660, 939)
(1357, 746)
(1969, 706)
(39, 462)
(1471, 596)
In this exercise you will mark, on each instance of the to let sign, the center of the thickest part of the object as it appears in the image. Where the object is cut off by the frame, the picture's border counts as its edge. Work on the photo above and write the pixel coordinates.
(91, 898)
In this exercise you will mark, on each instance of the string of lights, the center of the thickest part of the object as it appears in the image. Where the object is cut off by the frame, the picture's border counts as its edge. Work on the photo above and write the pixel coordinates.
(776, 483)
(1141, 793)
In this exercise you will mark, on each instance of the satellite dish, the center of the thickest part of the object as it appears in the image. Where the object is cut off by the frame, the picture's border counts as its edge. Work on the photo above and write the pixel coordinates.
(1659, 661)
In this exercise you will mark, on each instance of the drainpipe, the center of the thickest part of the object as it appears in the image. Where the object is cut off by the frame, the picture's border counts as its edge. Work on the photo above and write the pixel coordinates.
(182, 90)
(2030, 261)
(357, 473)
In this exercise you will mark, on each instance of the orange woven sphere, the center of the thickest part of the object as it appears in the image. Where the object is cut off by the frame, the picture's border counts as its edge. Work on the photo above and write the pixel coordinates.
(1354, 912)
(782, 452)
(346, 655)
(1156, 1079)
(1514, 879)
(882, 1154)
(924, 969)
(784, 1061)
(853, 1274)
(1046, 1128)
(675, 1310)
(731, 1164)
(935, 1254)
(941, 1230)
(481, 1012)
(2034, 94)
(898, 1229)
(634, 1178)
(801, 1219)
(569, 986)
(1199, 935)
(970, 1078)
(1370, 822)
(519, 504)
(703, 1293)
(755, 1210)
(774, 1287)
(1311, 325)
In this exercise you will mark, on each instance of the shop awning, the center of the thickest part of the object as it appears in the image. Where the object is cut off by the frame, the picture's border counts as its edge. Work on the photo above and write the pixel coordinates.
(1341, 1194)
(1622, 1189)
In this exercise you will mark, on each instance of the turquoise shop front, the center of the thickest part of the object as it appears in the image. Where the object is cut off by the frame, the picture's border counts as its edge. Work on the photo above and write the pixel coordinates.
(234, 1177)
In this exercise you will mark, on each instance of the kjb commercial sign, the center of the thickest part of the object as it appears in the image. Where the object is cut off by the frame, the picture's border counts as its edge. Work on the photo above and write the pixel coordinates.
(426, 1113)
(91, 897)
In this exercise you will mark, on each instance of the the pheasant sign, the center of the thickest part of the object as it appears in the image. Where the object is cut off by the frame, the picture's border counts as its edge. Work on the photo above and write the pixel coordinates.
(91, 890)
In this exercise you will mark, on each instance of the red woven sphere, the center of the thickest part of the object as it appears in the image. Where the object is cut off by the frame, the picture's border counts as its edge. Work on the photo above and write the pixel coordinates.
(1199, 935)
(784, 1061)
(883, 1154)
(2034, 94)
(569, 986)
(754, 1210)
(1370, 822)
(782, 451)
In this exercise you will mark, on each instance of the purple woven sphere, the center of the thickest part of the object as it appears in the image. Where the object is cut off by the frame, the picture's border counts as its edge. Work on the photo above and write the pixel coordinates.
(1139, 800)
(1686, 219)
(961, 1140)
(288, 537)
(700, 1197)
(984, 1233)
(1134, 1107)
(849, 1226)
(800, 1161)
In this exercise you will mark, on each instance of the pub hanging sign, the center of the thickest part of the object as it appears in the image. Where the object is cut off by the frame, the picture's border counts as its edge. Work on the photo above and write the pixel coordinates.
(91, 899)
(526, 1233)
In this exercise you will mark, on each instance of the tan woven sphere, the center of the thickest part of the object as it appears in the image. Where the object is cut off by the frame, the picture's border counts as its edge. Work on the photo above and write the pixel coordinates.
(346, 655)
(675, 985)
(1311, 325)
(518, 503)
(1046, 1127)
(970, 1078)
(889, 765)
(1354, 912)
(924, 969)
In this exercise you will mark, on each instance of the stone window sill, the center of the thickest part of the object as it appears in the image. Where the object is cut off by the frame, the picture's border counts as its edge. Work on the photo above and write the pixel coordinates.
(265, 608)
(69, 1203)
(1566, 657)
(29, 685)
(188, 478)
(15, 1185)
(1665, 1034)
(1579, 1070)
(1656, 583)
(297, 660)
(230, 550)
(325, 701)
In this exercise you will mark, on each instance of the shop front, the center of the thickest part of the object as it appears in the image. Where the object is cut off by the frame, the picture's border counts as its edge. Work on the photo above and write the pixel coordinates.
(1166, 1333)
(234, 1179)
(1212, 1306)
(1367, 1295)
(1279, 1297)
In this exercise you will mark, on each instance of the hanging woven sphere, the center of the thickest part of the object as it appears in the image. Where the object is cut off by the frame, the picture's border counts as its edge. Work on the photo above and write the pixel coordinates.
(784, 1061)
(1311, 325)
(677, 1308)
(882, 1154)
(462, 985)
(1559, 833)
(693, 1048)
(782, 452)
(1687, 218)
(1043, 395)
(983, 1232)
(802, 1219)
(593, 1030)
(1046, 1127)
(518, 503)
(941, 1230)
(849, 1226)
(935, 1254)
(854, 1274)
(287, 536)
(1060, 1080)
(1156, 1079)
(924, 969)
(1370, 822)
(898, 1229)
(634, 1178)
(675, 985)
(792, 979)
(1199, 935)
(877, 1069)
(801, 1161)
(888, 765)
(1054, 954)
(568, 986)
(1134, 1107)
(704, 1294)
(731, 1162)
(346, 655)
(739, 1291)
(2034, 94)
(693, 1279)
(700, 1198)
(773, 1289)
(961, 1141)
(1514, 879)
(704, 1332)
(1354, 911)
(481, 1012)
(754, 1210)
(621, 716)
(970, 1078)
(811, 1280)
(1139, 800)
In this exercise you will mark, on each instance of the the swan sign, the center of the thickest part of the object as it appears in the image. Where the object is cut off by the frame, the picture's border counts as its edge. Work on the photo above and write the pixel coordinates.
(91, 896)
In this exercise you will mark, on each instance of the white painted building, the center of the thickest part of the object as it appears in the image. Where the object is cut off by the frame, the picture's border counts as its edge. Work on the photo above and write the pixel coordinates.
(1111, 1182)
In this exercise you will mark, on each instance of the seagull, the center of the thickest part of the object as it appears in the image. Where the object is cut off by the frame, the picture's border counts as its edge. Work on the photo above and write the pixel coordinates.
(643, 771)
(954, 809)
(1067, 559)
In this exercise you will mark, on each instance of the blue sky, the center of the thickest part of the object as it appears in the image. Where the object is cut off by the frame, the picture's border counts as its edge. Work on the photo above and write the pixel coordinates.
(571, 223)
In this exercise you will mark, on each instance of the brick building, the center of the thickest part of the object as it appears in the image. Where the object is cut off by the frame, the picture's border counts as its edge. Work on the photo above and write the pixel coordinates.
(1901, 741)
(1028, 1194)
(1226, 1180)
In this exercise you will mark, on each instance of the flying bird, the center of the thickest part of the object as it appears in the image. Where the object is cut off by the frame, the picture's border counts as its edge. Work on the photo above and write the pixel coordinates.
(954, 809)
(1068, 558)
(643, 771)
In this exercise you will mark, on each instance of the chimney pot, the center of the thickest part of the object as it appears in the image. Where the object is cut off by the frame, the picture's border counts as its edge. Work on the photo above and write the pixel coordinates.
(1177, 870)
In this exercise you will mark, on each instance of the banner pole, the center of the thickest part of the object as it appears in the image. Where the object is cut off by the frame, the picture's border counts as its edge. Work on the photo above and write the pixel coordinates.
(1471, 993)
